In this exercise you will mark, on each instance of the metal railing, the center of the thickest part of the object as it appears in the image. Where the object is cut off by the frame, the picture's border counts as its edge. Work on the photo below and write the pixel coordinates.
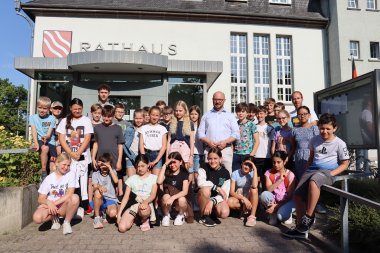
(16, 151)
(345, 196)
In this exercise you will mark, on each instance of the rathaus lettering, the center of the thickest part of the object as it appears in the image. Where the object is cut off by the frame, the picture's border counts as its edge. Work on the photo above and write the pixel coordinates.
(147, 48)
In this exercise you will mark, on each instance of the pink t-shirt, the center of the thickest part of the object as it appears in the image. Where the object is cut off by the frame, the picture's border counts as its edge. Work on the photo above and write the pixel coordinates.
(280, 192)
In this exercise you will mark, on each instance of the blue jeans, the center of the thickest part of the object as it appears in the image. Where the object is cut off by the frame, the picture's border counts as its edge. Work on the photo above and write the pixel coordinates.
(284, 212)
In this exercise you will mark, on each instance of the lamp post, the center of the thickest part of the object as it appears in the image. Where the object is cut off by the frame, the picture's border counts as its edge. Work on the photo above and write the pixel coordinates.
(30, 22)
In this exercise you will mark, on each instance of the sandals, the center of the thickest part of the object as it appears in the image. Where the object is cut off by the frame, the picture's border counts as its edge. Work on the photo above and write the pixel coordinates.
(251, 221)
(145, 226)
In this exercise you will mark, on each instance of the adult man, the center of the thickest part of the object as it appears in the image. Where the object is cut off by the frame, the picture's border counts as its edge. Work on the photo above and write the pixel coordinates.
(297, 99)
(219, 129)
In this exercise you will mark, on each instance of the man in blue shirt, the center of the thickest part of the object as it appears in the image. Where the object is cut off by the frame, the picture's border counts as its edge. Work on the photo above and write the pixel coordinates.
(219, 129)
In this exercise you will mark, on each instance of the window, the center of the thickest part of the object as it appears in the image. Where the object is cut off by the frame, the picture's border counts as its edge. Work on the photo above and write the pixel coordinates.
(280, 1)
(238, 45)
(354, 49)
(353, 4)
(374, 50)
(371, 4)
(261, 68)
(284, 68)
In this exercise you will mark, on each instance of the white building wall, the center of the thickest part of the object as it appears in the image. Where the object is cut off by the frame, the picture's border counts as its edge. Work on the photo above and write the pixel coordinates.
(198, 41)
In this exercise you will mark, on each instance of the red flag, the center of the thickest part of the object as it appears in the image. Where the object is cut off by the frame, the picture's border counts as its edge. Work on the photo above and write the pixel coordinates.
(354, 74)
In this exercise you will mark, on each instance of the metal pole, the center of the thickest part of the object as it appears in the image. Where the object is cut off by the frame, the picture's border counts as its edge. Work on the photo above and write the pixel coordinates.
(344, 219)
(30, 22)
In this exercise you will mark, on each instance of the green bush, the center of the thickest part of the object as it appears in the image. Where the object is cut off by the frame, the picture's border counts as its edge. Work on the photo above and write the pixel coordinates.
(364, 222)
(17, 169)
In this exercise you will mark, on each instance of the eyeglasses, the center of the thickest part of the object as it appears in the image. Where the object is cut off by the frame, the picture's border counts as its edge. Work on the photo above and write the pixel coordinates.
(303, 114)
(280, 118)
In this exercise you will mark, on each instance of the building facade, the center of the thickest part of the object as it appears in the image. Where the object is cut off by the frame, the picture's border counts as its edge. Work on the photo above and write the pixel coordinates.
(353, 30)
(149, 50)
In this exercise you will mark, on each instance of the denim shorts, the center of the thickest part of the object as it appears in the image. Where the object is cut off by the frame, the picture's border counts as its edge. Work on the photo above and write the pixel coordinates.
(106, 203)
(129, 163)
(52, 148)
(196, 163)
(152, 155)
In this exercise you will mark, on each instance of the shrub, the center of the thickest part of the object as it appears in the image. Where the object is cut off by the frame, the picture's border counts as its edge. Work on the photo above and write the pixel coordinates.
(364, 222)
(17, 169)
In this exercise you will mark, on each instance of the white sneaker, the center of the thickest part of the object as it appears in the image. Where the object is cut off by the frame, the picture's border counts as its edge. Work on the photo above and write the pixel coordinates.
(67, 228)
(165, 221)
(272, 219)
(79, 214)
(179, 220)
(289, 221)
(56, 225)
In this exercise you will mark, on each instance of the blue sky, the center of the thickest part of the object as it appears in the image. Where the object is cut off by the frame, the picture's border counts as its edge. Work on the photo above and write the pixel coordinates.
(15, 41)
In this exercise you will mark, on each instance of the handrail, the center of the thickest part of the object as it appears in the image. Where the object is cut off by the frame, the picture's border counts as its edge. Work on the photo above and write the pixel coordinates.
(16, 151)
(345, 196)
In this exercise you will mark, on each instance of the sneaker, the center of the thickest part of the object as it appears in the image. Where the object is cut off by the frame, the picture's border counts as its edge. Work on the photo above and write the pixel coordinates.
(145, 226)
(165, 221)
(289, 221)
(215, 218)
(89, 210)
(179, 220)
(207, 221)
(80, 214)
(251, 221)
(272, 219)
(98, 222)
(294, 233)
(56, 225)
(67, 228)
(104, 217)
(305, 225)
(320, 209)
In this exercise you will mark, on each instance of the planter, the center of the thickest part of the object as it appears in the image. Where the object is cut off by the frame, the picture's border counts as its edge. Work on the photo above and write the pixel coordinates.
(17, 207)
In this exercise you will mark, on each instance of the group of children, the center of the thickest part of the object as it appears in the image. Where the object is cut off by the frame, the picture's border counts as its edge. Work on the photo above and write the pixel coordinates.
(167, 174)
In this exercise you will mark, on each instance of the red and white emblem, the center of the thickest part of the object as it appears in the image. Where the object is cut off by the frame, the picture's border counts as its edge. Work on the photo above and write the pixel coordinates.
(56, 44)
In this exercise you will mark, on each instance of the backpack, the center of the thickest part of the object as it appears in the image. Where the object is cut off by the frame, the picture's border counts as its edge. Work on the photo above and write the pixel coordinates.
(272, 177)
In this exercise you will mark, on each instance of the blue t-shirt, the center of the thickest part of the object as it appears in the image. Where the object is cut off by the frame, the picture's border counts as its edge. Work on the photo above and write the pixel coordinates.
(42, 126)
(242, 181)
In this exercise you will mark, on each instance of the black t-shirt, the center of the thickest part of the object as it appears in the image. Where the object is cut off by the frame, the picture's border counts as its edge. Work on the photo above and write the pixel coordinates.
(176, 180)
(217, 177)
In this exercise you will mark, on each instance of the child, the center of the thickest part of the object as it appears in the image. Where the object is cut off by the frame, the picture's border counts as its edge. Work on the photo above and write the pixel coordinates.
(146, 114)
(271, 116)
(252, 113)
(175, 181)
(167, 115)
(153, 140)
(243, 192)
(109, 139)
(139, 195)
(195, 117)
(96, 116)
(119, 114)
(132, 138)
(56, 196)
(249, 141)
(328, 157)
(56, 110)
(104, 190)
(214, 187)
(181, 134)
(42, 125)
(74, 133)
(280, 183)
(283, 139)
(263, 154)
(279, 106)
(302, 136)
(161, 104)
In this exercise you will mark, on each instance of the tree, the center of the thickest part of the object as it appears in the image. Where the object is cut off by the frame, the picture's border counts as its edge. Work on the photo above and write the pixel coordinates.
(13, 104)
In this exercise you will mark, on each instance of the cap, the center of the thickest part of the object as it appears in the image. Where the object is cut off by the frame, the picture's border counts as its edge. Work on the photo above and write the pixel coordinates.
(56, 103)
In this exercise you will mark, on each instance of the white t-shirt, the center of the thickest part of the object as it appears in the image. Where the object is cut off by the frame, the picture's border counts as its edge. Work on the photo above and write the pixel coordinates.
(55, 188)
(75, 134)
(152, 136)
(142, 187)
(266, 137)
(327, 155)
(296, 122)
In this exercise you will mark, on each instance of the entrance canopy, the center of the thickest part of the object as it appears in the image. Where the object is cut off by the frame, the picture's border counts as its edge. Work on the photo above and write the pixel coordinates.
(113, 61)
